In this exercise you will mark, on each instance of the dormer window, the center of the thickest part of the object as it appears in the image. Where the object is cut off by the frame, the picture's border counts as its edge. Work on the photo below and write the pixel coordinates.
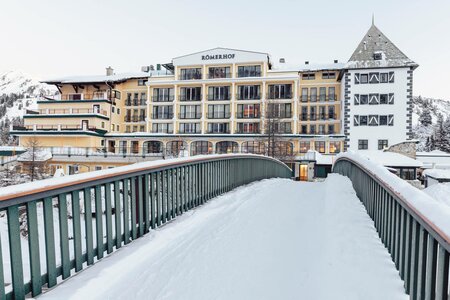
(377, 56)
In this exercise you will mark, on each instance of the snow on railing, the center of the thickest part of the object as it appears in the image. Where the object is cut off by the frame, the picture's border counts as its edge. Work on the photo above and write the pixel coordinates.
(71, 221)
(414, 227)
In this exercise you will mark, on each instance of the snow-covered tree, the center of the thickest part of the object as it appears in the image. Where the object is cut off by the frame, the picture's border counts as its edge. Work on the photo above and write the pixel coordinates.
(425, 118)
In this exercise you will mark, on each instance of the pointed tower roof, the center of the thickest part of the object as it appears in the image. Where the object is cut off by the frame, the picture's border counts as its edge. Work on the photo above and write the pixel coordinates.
(377, 51)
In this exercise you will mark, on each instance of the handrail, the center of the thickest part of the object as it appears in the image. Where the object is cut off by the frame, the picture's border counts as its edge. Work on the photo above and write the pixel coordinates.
(122, 204)
(418, 247)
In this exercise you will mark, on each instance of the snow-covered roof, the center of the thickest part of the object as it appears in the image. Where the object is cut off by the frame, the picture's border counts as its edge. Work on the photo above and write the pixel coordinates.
(437, 173)
(284, 67)
(433, 153)
(105, 78)
(390, 159)
(439, 192)
(375, 42)
(39, 155)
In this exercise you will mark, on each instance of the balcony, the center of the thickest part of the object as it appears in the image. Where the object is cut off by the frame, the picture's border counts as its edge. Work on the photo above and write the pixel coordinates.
(212, 97)
(140, 118)
(60, 127)
(248, 74)
(223, 115)
(163, 98)
(224, 131)
(78, 96)
(280, 115)
(69, 111)
(219, 76)
(247, 116)
(135, 102)
(320, 98)
(162, 116)
(189, 116)
(189, 131)
(242, 131)
(318, 117)
(190, 76)
(280, 97)
(190, 98)
(168, 131)
(248, 97)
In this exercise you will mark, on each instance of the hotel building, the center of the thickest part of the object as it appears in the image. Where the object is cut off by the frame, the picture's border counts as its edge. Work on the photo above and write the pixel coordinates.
(222, 101)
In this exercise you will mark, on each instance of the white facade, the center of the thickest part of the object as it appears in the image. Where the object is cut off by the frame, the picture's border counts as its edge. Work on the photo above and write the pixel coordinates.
(366, 112)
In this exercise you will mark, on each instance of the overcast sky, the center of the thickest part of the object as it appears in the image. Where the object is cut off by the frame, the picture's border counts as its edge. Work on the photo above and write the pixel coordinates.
(48, 38)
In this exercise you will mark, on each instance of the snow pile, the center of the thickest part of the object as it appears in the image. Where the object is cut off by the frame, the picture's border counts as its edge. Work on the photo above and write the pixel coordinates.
(436, 212)
(391, 159)
(440, 192)
(437, 173)
(226, 250)
(38, 155)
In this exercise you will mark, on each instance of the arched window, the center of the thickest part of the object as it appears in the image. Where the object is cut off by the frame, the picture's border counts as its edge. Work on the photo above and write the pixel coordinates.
(153, 147)
(176, 148)
(227, 147)
(201, 147)
(254, 147)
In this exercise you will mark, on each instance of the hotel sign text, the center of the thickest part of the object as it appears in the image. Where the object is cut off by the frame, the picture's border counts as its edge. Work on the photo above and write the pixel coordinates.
(217, 56)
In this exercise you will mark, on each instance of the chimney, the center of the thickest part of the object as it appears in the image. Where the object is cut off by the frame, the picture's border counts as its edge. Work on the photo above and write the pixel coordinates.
(282, 60)
(336, 61)
(152, 68)
(306, 62)
(145, 69)
(109, 71)
(158, 67)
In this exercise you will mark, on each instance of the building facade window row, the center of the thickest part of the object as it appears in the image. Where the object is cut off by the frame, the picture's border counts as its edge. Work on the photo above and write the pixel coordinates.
(373, 120)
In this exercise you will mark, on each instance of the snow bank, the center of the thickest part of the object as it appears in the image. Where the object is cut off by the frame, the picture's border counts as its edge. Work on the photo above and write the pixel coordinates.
(437, 173)
(440, 192)
(436, 213)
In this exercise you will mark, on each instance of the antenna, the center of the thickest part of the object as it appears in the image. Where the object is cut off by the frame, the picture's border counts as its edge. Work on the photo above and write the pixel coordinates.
(373, 19)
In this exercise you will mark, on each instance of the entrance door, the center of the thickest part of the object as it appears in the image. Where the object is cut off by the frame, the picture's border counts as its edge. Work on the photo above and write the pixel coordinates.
(303, 172)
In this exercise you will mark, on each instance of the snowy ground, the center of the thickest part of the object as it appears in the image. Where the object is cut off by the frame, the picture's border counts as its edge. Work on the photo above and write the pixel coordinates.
(275, 239)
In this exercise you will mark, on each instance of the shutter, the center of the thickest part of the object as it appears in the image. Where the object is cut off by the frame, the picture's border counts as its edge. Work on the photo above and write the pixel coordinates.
(374, 78)
(391, 77)
(374, 99)
(356, 78)
(356, 120)
(391, 99)
(356, 99)
(391, 120)
(373, 120)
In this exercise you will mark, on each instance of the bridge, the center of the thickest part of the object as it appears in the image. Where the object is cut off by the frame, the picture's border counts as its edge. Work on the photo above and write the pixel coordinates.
(235, 226)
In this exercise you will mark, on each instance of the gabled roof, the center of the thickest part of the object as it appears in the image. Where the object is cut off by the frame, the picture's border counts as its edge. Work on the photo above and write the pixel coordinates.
(376, 42)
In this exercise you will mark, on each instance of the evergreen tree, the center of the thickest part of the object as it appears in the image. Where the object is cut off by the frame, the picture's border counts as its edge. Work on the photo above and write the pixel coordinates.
(428, 144)
(425, 117)
(445, 144)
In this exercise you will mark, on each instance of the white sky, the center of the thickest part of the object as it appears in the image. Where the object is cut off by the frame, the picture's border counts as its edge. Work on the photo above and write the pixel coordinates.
(48, 38)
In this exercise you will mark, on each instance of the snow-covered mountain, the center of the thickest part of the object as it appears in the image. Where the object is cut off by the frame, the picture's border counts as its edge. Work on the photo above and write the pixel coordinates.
(18, 92)
(434, 107)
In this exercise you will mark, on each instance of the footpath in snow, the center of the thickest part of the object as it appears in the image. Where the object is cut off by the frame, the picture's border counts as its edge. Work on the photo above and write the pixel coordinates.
(274, 239)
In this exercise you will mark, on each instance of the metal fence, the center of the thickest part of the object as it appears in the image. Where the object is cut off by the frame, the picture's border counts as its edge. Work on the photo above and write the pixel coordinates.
(73, 221)
(418, 248)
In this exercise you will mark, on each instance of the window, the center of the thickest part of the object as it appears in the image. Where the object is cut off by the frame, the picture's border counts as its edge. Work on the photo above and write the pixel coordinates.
(362, 120)
(218, 128)
(190, 128)
(408, 173)
(248, 127)
(363, 99)
(219, 93)
(313, 94)
(383, 99)
(304, 94)
(103, 125)
(364, 78)
(308, 76)
(162, 112)
(219, 111)
(163, 94)
(249, 71)
(331, 112)
(190, 94)
(383, 121)
(162, 128)
(312, 129)
(374, 77)
(98, 168)
(377, 55)
(97, 109)
(279, 110)
(319, 146)
(331, 129)
(249, 92)
(335, 147)
(328, 75)
(248, 111)
(280, 91)
(321, 129)
(190, 112)
(304, 129)
(219, 72)
(322, 93)
(384, 77)
(253, 147)
(191, 73)
(331, 93)
(304, 115)
(363, 144)
(118, 111)
(201, 147)
(142, 82)
(382, 144)
(304, 147)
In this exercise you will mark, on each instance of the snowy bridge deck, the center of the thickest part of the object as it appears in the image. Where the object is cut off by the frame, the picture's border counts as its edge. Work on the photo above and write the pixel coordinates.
(274, 239)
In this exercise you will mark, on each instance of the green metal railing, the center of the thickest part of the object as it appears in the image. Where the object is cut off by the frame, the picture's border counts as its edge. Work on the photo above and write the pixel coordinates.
(92, 216)
(418, 248)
